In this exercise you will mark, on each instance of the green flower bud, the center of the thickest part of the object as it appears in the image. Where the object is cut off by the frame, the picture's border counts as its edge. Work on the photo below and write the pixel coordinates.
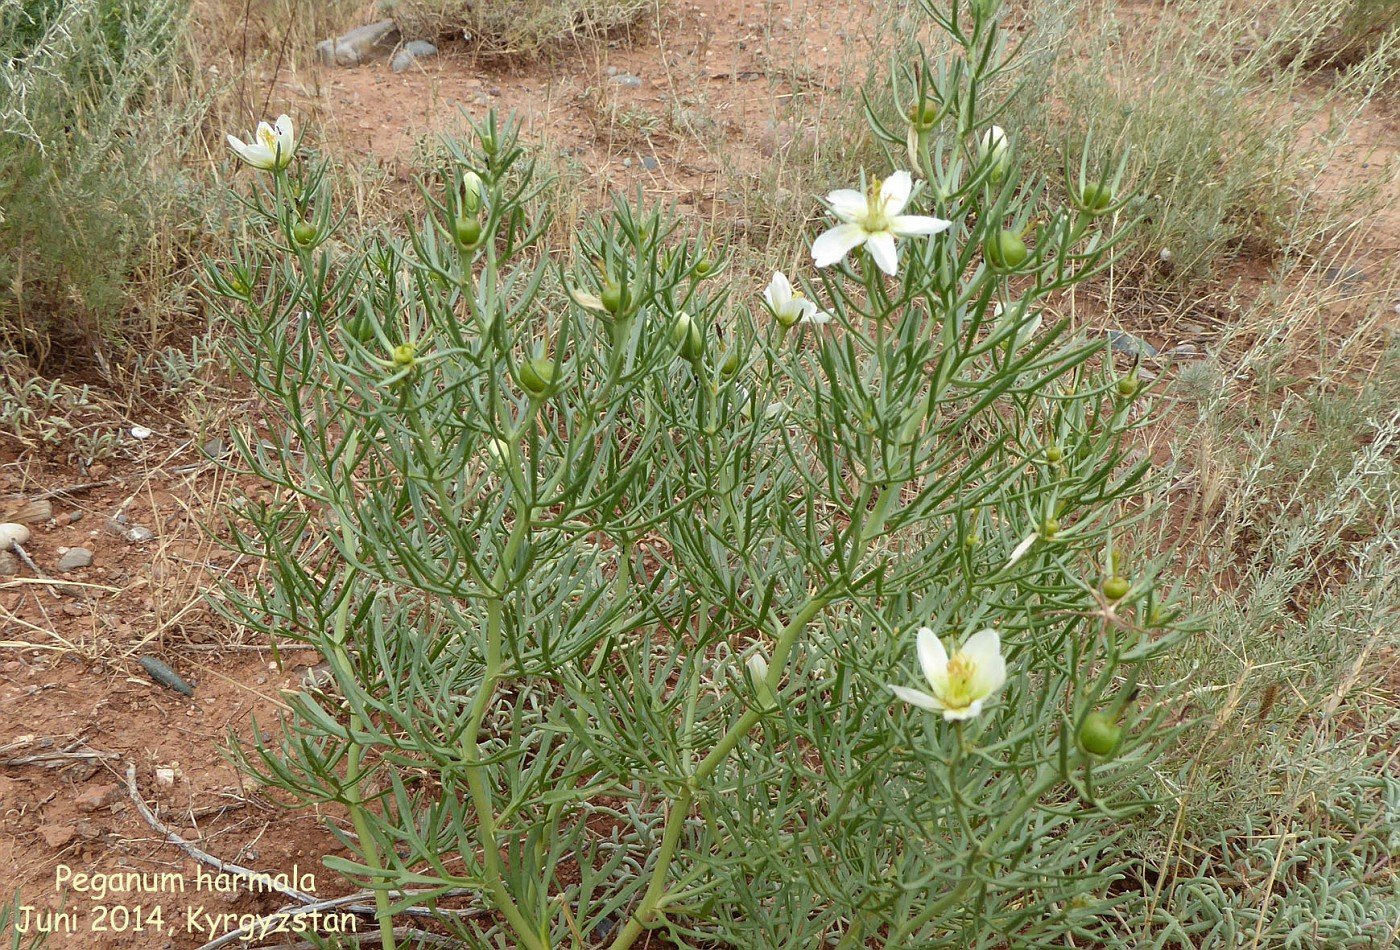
(467, 232)
(1128, 386)
(471, 192)
(1096, 197)
(361, 329)
(1050, 528)
(537, 376)
(488, 143)
(1116, 588)
(730, 366)
(405, 355)
(238, 284)
(1099, 735)
(704, 267)
(1054, 454)
(1005, 250)
(304, 233)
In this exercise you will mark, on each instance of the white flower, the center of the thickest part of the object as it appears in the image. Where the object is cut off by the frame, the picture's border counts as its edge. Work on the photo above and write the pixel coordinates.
(995, 149)
(758, 675)
(958, 685)
(272, 147)
(875, 221)
(472, 188)
(791, 307)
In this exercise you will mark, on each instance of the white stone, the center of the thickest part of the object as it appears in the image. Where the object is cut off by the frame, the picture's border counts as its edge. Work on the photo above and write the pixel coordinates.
(12, 534)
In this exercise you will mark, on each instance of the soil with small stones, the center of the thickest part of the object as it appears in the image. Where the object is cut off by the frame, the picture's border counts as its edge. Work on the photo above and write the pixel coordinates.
(76, 706)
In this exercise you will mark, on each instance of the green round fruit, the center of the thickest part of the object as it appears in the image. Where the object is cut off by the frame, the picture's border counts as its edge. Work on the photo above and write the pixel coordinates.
(704, 267)
(1005, 250)
(1116, 588)
(1128, 387)
(1050, 528)
(1054, 454)
(1096, 197)
(467, 231)
(405, 355)
(686, 334)
(1099, 735)
(537, 375)
(304, 233)
(613, 297)
(925, 114)
(730, 366)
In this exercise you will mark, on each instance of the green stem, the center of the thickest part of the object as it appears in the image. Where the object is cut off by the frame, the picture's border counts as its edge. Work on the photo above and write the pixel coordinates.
(680, 810)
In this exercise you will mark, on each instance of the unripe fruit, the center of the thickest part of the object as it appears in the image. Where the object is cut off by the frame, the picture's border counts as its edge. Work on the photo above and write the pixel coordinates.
(405, 355)
(613, 297)
(703, 267)
(238, 285)
(1054, 454)
(1116, 588)
(1099, 735)
(1096, 197)
(467, 231)
(730, 366)
(686, 335)
(1005, 250)
(925, 114)
(1128, 387)
(537, 375)
(304, 233)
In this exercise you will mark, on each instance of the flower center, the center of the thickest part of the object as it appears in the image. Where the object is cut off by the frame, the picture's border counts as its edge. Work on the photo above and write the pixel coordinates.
(959, 691)
(268, 138)
(875, 218)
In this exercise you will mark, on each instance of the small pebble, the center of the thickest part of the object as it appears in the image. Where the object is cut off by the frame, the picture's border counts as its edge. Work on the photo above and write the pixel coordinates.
(75, 559)
(141, 432)
(650, 163)
(1132, 345)
(139, 534)
(627, 81)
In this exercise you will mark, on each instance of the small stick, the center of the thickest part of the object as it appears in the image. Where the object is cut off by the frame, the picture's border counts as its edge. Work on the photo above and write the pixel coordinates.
(305, 902)
(203, 856)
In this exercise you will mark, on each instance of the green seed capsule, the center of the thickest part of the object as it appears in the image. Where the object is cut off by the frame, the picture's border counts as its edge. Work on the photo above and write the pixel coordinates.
(1054, 454)
(1050, 528)
(1099, 735)
(304, 234)
(1116, 588)
(467, 231)
(730, 366)
(537, 375)
(405, 355)
(925, 114)
(613, 297)
(704, 267)
(1096, 197)
(1128, 387)
(1005, 250)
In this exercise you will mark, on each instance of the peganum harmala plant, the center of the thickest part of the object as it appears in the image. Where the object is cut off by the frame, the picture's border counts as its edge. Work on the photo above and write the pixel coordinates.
(616, 567)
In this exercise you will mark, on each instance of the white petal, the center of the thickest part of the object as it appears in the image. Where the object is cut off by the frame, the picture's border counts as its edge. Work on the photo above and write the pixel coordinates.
(758, 667)
(894, 193)
(917, 225)
(848, 204)
(1022, 548)
(967, 712)
(933, 657)
(779, 291)
(816, 317)
(836, 243)
(982, 646)
(916, 698)
(883, 251)
(586, 300)
(284, 128)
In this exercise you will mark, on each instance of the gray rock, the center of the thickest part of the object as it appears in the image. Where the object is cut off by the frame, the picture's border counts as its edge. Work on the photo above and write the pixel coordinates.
(139, 534)
(75, 559)
(360, 45)
(410, 53)
(1345, 276)
(1129, 344)
(650, 163)
(627, 81)
(9, 564)
(1184, 351)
